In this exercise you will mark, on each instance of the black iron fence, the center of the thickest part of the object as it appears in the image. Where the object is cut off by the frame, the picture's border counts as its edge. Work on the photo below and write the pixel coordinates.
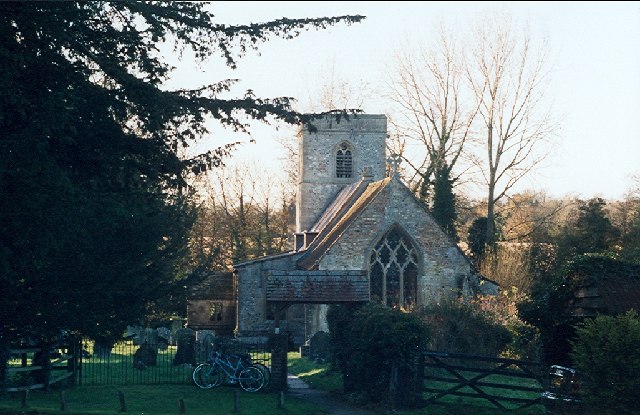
(130, 363)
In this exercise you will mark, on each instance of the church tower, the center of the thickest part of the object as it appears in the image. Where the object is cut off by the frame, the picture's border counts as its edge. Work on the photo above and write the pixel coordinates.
(339, 153)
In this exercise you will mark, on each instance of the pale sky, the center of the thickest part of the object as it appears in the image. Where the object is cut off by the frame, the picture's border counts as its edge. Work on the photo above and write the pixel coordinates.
(594, 50)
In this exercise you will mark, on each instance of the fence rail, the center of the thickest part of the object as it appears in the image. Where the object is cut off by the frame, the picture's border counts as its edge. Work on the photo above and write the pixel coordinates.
(506, 383)
(33, 368)
(119, 366)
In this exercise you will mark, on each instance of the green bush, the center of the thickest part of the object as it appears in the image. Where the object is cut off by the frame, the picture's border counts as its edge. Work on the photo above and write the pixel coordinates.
(463, 327)
(607, 356)
(378, 351)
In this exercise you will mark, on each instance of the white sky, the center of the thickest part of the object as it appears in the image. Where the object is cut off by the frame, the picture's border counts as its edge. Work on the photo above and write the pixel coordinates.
(594, 91)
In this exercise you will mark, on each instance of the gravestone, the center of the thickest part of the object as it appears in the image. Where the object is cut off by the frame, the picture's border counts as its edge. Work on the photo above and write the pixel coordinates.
(319, 347)
(102, 350)
(146, 355)
(135, 333)
(150, 337)
(186, 340)
(205, 344)
(164, 337)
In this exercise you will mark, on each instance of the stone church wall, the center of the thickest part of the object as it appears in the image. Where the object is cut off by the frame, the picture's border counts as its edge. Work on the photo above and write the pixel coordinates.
(444, 268)
(318, 184)
(253, 322)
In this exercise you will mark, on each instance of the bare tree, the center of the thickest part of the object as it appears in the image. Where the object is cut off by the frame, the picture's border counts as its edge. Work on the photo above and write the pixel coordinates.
(435, 113)
(334, 92)
(507, 77)
(244, 214)
(530, 216)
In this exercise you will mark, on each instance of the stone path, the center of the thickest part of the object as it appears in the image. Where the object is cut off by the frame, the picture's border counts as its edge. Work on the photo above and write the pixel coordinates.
(297, 387)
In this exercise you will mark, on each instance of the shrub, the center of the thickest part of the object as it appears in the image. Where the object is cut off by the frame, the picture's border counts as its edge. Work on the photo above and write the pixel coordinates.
(607, 356)
(463, 327)
(378, 351)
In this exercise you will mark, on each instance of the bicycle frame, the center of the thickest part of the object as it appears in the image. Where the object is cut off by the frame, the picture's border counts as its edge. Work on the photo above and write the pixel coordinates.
(219, 367)
(227, 367)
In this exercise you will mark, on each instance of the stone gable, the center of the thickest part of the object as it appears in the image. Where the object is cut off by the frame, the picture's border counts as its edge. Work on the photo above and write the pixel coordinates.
(443, 269)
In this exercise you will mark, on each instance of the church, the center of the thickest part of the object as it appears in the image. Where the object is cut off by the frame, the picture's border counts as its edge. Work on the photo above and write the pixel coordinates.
(361, 235)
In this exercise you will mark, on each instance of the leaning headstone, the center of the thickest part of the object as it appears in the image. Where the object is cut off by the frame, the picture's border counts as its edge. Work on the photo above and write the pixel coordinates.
(186, 339)
(146, 355)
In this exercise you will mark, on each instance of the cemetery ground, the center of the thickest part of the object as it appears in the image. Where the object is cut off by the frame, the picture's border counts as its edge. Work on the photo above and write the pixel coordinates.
(163, 399)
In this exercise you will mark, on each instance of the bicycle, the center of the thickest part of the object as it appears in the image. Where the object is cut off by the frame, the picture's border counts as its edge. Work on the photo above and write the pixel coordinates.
(265, 371)
(238, 369)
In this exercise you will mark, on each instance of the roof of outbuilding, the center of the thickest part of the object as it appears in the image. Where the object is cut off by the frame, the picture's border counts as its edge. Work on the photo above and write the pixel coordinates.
(317, 286)
(265, 258)
(610, 295)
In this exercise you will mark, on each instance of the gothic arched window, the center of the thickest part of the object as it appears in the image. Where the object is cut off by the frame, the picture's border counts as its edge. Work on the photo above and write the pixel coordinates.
(344, 161)
(393, 270)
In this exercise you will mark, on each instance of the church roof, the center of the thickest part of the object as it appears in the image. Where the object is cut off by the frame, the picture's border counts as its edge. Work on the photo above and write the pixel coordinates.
(317, 286)
(337, 207)
(264, 259)
(341, 213)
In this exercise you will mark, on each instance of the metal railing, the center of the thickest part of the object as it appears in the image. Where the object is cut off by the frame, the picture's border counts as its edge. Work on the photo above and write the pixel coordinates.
(120, 366)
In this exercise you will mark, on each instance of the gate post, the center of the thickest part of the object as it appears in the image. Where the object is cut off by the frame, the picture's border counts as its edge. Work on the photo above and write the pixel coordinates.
(279, 349)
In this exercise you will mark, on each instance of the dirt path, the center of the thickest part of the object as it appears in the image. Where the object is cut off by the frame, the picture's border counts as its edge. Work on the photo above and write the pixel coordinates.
(297, 387)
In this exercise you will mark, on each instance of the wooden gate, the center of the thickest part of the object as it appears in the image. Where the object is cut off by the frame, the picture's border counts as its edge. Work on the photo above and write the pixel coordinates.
(40, 367)
(506, 383)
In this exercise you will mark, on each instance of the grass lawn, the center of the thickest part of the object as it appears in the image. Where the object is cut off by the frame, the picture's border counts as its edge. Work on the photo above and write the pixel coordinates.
(164, 399)
(154, 400)
(318, 376)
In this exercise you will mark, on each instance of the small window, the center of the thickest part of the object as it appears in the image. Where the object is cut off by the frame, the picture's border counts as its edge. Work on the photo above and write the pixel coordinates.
(344, 162)
(215, 312)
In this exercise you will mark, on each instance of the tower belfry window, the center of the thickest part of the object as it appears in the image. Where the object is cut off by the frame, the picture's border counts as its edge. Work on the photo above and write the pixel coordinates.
(344, 161)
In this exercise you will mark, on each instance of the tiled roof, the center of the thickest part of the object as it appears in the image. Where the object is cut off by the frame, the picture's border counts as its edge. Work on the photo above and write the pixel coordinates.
(349, 193)
(317, 286)
(608, 295)
(264, 258)
(349, 209)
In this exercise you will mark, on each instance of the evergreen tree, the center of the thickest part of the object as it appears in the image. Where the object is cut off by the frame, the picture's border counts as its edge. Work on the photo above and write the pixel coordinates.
(477, 237)
(591, 232)
(444, 201)
(95, 205)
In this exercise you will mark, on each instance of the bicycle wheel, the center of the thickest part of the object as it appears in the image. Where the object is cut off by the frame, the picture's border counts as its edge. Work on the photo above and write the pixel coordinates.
(251, 379)
(265, 371)
(207, 376)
